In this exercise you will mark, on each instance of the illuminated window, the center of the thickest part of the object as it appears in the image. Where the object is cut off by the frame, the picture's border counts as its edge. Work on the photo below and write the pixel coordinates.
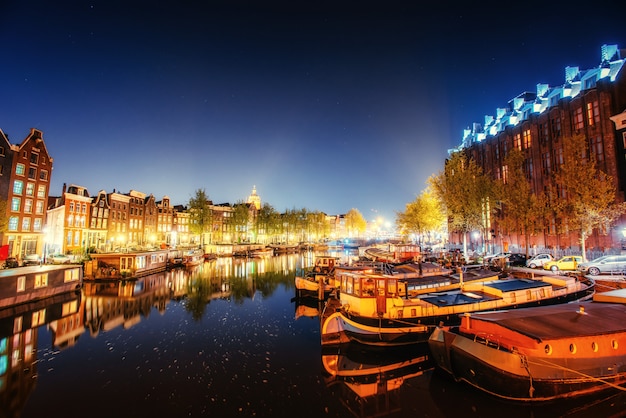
(72, 275)
(37, 224)
(13, 222)
(578, 119)
(517, 141)
(41, 280)
(30, 189)
(21, 283)
(28, 205)
(26, 224)
(593, 113)
(527, 139)
(16, 202)
(41, 191)
(20, 169)
(18, 187)
(39, 207)
(505, 174)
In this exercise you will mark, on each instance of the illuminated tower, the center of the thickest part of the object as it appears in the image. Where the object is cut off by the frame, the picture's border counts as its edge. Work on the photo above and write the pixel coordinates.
(254, 199)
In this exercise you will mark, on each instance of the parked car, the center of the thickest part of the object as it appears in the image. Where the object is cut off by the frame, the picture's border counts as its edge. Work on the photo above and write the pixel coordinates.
(538, 260)
(31, 260)
(517, 260)
(59, 259)
(488, 258)
(568, 262)
(11, 263)
(604, 264)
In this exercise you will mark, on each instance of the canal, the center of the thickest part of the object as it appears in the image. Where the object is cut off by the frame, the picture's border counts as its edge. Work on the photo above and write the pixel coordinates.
(224, 339)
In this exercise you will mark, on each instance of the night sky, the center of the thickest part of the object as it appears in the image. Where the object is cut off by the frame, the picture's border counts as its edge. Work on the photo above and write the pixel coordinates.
(322, 105)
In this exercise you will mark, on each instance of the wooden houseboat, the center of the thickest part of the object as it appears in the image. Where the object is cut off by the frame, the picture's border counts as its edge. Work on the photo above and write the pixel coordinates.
(392, 253)
(125, 265)
(384, 310)
(538, 354)
(28, 284)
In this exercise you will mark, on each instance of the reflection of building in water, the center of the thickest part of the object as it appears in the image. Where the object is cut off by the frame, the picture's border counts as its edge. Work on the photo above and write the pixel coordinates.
(122, 302)
(19, 327)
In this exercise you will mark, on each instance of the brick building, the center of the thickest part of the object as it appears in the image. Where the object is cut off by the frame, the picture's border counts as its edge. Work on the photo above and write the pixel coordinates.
(589, 103)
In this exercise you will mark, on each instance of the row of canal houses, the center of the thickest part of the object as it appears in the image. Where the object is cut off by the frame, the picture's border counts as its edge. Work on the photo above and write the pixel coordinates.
(75, 221)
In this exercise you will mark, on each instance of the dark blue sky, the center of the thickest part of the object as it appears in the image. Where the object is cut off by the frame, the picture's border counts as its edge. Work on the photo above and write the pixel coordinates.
(323, 105)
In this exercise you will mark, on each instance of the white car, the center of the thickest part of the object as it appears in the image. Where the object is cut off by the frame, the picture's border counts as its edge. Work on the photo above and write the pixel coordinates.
(538, 260)
(59, 259)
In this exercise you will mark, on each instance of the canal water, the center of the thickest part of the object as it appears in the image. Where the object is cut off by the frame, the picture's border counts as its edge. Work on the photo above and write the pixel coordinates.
(227, 338)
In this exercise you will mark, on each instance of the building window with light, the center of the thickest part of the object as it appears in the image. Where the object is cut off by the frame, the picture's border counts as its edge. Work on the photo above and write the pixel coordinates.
(593, 113)
(37, 224)
(15, 204)
(517, 141)
(41, 191)
(578, 119)
(26, 224)
(20, 169)
(13, 222)
(30, 189)
(39, 207)
(527, 139)
(18, 187)
(28, 205)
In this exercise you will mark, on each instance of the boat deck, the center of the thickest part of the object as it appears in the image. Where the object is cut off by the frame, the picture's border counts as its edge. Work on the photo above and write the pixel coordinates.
(556, 321)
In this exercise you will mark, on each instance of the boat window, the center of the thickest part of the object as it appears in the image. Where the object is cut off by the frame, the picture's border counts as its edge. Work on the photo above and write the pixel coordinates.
(548, 349)
(141, 262)
(513, 298)
(529, 295)
(614, 344)
(572, 348)
(542, 293)
(400, 313)
(71, 275)
(357, 287)
(41, 280)
(344, 283)
(21, 283)
(392, 286)
(349, 285)
(368, 287)
(594, 347)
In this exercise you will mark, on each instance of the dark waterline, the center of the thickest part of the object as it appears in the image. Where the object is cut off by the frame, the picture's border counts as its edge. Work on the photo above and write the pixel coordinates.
(222, 340)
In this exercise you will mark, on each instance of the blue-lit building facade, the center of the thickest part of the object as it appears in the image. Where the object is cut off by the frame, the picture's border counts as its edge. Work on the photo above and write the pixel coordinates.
(590, 102)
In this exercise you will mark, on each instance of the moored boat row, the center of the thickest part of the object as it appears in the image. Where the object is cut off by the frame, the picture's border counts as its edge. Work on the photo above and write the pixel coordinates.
(539, 354)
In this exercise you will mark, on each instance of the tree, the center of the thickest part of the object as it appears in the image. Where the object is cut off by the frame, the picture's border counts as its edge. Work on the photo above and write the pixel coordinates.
(240, 219)
(523, 210)
(586, 196)
(267, 222)
(423, 216)
(201, 217)
(467, 193)
(355, 222)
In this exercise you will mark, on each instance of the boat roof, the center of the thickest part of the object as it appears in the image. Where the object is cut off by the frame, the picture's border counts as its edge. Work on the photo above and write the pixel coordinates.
(565, 320)
(458, 297)
(512, 285)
